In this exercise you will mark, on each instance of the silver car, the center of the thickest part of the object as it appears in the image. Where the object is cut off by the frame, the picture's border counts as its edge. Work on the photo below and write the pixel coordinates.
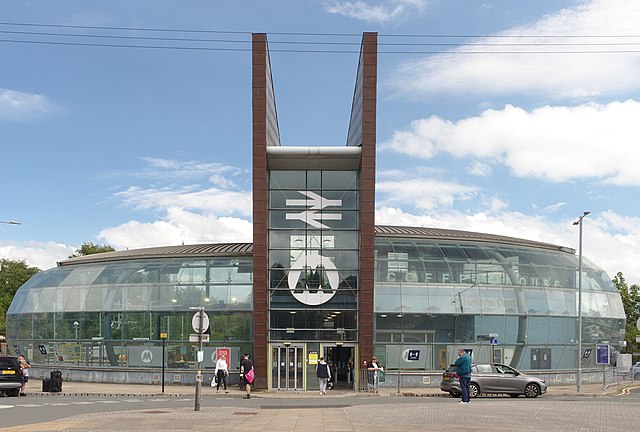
(494, 378)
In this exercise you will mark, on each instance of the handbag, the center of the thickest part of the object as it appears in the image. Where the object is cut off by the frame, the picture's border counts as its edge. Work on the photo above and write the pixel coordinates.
(381, 376)
(249, 376)
(214, 381)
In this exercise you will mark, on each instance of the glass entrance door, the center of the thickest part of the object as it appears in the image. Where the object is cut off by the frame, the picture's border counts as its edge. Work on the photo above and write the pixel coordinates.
(287, 367)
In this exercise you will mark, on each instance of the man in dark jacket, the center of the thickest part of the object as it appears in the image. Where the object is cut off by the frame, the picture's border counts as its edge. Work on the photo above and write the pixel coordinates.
(463, 363)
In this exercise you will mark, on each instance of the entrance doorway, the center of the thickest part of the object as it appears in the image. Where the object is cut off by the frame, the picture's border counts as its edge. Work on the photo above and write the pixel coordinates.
(287, 367)
(340, 360)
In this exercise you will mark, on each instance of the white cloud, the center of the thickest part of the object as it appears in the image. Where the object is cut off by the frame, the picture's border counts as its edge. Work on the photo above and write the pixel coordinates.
(401, 188)
(480, 169)
(43, 255)
(556, 143)
(211, 199)
(176, 227)
(610, 240)
(380, 13)
(18, 106)
(552, 75)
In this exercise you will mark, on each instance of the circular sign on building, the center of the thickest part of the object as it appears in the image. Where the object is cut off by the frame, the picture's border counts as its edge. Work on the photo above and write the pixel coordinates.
(315, 262)
(195, 322)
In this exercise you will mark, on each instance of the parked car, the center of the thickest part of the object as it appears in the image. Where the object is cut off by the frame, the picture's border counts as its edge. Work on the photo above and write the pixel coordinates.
(494, 378)
(635, 371)
(10, 376)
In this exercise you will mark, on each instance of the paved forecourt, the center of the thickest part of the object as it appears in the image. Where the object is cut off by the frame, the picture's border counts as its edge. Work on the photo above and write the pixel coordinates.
(593, 410)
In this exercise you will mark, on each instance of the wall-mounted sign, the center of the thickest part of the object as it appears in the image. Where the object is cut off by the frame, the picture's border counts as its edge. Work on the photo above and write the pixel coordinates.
(310, 264)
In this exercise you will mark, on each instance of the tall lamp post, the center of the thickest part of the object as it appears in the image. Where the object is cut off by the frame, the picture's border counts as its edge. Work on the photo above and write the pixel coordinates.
(579, 373)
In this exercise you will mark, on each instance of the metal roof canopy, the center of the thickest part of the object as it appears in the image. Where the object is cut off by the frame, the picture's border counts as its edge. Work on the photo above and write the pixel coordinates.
(246, 249)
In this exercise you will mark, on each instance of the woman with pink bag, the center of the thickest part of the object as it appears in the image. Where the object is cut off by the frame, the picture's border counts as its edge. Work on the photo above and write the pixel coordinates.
(246, 374)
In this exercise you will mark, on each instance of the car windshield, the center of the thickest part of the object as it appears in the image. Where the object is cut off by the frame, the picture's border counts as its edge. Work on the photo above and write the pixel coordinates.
(8, 362)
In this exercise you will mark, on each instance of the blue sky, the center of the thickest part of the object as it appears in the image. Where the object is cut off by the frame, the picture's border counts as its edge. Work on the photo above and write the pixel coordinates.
(515, 126)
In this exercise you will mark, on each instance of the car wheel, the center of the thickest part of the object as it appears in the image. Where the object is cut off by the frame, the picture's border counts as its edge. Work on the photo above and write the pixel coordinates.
(474, 390)
(513, 395)
(531, 390)
(637, 376)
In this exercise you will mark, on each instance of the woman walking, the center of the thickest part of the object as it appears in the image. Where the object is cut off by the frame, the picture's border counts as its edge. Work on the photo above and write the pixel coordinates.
(221, 372)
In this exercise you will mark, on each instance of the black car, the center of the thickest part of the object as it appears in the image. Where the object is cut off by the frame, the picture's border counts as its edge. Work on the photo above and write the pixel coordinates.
(10, 376)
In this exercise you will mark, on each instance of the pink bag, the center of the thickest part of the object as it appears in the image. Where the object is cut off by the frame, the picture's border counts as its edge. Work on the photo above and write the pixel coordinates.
(249, 376)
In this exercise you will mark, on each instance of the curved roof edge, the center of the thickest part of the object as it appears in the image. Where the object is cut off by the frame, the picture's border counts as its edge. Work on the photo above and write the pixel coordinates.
(204, 250)
(449, 234)
(246, 249)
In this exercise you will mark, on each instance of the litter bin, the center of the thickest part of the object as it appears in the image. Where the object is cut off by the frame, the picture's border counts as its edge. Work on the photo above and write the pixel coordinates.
(55, 381)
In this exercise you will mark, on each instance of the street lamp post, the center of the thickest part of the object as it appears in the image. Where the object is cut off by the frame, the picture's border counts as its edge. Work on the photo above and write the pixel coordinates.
(579, 372)
(76, 324)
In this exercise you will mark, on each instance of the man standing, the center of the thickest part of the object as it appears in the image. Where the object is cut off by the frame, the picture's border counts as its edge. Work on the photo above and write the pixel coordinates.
(463, 363)
(323, 373)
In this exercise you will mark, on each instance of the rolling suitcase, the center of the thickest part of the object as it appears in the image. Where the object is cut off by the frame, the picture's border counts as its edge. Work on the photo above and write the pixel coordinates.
(46, 385)
(56, 381)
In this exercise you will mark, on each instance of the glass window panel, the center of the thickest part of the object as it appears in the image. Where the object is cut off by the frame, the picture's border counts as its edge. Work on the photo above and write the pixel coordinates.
(467, 300)
(474, 252)
(556, 301)
(83, 275)
(407, 250)
(414, 299)
(537, 330)
(18, 301)
(561, 330)
(430, 251)
(492, 301)
(49, 278)
(77, 299)
(571, 300)
(487, 324)
(278, 199)
(387, 298)
(44, 298)
(617, 309)
(287, 179)
(314, 179)
(344, 180)
(192, 274)
(333, 219)
(510, 301)
(436, 272)
(441, 300)
(453, 252)
(31, 301)
(96, 298)
(537, 301)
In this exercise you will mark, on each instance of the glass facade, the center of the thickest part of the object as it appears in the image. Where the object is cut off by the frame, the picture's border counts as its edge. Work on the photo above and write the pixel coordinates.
(432, 297)
(313, 255)
(103, 314)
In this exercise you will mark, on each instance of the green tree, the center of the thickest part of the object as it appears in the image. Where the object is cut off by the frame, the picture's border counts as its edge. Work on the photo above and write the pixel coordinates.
(91, 248)
(13, 274)
(631, 302)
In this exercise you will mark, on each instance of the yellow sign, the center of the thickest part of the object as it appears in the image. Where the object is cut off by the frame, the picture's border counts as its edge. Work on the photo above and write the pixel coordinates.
(163, 335)
(313, 358)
